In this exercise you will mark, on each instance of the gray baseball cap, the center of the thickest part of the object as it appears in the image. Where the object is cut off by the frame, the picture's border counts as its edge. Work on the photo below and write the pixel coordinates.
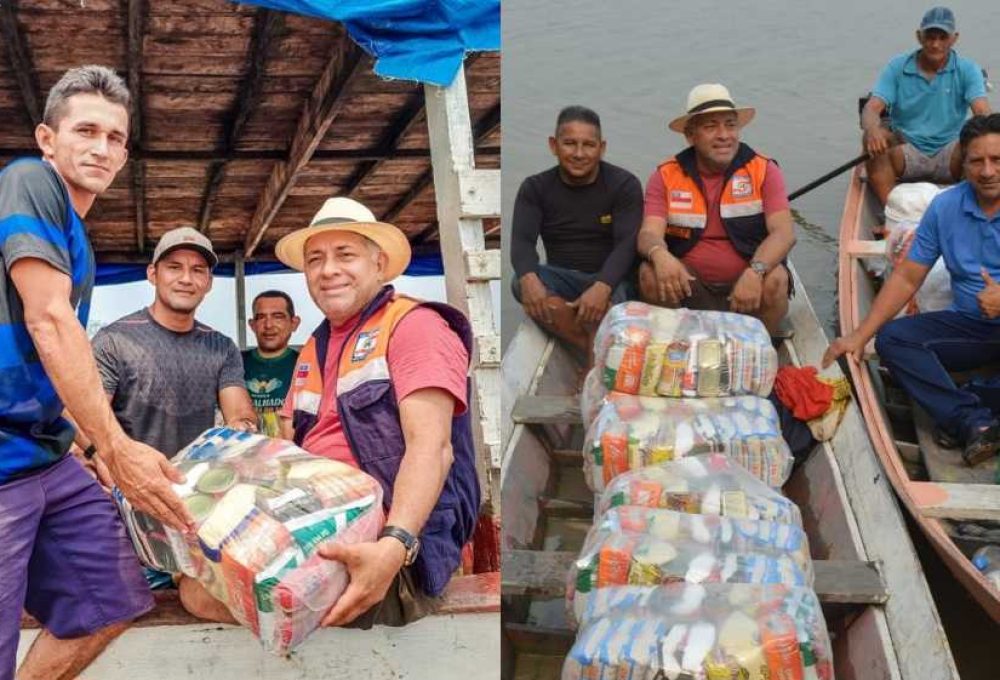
(185, 237)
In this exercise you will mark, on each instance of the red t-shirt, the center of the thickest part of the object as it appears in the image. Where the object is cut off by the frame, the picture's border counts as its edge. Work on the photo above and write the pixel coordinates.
(714, 259)
(423, 352)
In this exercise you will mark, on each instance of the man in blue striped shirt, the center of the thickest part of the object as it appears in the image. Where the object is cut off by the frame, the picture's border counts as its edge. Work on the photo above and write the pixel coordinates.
(64, 555)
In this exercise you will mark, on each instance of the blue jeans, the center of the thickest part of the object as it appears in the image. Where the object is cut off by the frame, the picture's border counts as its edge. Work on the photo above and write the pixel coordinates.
(920, 350)
(569, 284)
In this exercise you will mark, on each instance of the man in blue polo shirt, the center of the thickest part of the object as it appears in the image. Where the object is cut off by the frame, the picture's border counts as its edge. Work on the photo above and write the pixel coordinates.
(928, 93)
(962, 225)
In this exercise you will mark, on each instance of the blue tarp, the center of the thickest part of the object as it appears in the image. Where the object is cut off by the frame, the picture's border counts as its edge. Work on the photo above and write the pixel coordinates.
(111, 274)
(422, 40)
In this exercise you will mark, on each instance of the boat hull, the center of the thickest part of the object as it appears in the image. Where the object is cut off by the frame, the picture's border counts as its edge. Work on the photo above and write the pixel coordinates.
(856, 293)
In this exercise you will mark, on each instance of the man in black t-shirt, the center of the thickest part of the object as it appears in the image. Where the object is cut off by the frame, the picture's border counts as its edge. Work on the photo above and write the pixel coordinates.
(587, 213)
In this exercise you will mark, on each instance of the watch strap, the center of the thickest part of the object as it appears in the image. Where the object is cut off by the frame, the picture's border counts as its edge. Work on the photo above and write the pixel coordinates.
(402, 535)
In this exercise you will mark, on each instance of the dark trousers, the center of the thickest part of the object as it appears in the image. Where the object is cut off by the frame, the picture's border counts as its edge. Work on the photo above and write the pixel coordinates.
(919, 352)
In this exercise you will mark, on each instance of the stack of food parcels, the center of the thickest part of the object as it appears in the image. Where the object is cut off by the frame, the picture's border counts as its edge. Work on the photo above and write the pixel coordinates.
(262, 507)
(653, 351)
(631, 432)
(695, 569)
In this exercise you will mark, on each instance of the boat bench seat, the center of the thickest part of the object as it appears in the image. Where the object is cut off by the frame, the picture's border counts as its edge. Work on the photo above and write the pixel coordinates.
(542, 573)
(478, 593)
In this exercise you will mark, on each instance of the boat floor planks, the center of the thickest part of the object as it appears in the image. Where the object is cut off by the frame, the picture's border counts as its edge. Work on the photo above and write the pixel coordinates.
(847, 503)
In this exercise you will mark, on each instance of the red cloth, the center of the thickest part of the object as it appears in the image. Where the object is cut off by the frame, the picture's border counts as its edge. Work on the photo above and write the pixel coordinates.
(802, 392)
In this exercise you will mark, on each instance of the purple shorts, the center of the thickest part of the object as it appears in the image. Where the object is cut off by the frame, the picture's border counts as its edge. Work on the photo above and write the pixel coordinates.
(64, 557)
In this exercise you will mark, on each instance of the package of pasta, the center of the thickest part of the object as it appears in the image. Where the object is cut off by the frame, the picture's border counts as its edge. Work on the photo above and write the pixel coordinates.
(262, 507)
(648, 350)
(709, 484)
(645, 547)
(632, 432)
(688, 631)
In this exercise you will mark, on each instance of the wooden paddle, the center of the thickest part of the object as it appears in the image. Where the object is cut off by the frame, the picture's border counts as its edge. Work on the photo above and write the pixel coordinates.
(828, 176)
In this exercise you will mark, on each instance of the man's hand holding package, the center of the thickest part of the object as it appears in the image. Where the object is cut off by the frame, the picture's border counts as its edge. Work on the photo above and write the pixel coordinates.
(145, 476)
(371, 567)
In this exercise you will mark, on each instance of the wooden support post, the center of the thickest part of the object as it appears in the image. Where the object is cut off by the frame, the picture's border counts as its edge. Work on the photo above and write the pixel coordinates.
(241, 299)
(465, 196)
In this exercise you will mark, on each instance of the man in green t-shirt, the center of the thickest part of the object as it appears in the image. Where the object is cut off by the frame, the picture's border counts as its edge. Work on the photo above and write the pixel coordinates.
(268, 368)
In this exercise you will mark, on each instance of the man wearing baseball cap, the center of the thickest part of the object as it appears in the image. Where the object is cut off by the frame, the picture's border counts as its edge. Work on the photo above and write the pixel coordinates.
(716, 228)
(382, 385)
(928, 93)
(165, 373)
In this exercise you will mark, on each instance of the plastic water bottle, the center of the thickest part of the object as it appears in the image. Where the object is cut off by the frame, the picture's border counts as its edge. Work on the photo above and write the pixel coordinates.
(987, 560)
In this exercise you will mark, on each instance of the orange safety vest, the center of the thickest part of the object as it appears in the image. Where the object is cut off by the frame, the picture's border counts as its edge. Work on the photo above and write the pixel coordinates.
(741, 204)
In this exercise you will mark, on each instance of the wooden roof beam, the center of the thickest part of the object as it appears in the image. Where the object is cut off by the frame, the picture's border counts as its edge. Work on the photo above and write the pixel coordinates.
(19, 58)
(344, 68)
(400, 127)
(404, 123)
(136, 26)
(266, 30)
(206, 156)
(486, 126)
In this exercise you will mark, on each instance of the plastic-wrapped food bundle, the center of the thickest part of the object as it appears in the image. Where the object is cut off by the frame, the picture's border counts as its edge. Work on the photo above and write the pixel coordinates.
(262, 507)
(711, 531)
(632, 432)
(906, 205)
(714, 631)
(711, 484)
(704, 551)
(647, 350)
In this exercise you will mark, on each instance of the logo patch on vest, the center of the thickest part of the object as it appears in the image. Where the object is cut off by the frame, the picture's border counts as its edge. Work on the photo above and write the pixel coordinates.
(364, 345)
(682, 200)
(742, 187)
(605, 219)
(301, 373)
(678, 232)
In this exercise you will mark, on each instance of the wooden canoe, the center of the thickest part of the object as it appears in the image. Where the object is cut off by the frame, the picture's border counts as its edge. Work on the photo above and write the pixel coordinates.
(902, 435)
(876, 600)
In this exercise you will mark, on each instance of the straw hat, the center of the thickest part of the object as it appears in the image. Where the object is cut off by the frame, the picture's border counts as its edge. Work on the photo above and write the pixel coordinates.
(709, 97)
(345, 214)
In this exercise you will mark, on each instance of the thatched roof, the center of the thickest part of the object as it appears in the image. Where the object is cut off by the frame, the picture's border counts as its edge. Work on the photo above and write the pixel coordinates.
(245, 119)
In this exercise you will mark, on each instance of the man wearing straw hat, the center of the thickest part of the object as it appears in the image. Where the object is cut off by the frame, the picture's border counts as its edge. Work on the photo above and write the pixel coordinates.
(717, 228)
(382, 385)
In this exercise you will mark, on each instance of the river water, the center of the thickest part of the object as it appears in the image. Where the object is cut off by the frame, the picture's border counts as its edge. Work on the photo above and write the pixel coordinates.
(802, 65)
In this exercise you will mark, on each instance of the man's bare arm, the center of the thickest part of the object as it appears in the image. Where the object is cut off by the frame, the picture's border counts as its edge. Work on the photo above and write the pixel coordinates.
(896, 292)
(426, 419)
(780, 238)
(237, 408)
(651, 233)
(980, 106)
(141, 472)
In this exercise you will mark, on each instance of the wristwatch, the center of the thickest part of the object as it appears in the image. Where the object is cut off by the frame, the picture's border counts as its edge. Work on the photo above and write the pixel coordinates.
(759, 268)
(409, 541)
